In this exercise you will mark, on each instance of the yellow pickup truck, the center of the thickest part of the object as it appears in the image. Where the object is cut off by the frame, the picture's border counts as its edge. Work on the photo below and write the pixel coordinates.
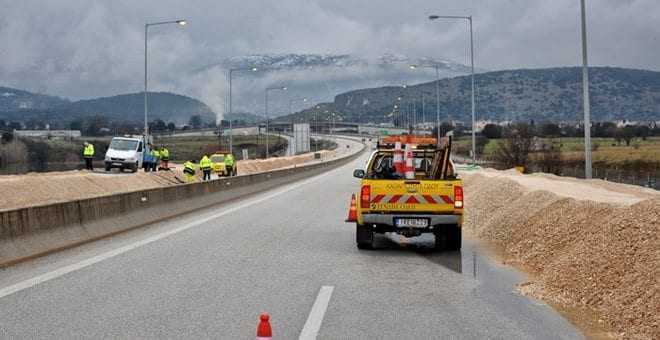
(427, 199)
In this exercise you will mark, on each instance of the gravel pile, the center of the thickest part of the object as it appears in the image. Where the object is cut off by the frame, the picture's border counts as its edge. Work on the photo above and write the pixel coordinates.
(32, 189)
(43, 188)
(601, 256)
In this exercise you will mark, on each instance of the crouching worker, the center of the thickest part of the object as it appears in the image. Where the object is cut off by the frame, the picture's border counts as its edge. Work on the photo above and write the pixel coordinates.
(189, 171)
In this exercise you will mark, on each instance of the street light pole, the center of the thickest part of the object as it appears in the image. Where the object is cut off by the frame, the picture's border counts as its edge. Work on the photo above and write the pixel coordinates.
(282, 88)
(437, 95)
(180, 22)
(585, 96)
(231, 132)
(469, 19)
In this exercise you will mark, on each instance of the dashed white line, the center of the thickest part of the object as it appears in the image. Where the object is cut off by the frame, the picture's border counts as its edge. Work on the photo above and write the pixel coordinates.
(315, 318)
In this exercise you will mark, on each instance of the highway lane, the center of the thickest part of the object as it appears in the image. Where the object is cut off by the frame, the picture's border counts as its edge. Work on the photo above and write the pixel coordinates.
(271, 252)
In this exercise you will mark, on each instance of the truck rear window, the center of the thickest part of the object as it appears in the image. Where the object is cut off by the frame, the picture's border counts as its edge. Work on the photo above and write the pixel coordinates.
(382, 166)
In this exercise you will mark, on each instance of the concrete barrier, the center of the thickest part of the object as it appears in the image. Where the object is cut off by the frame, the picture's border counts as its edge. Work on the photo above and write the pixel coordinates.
(36, 231)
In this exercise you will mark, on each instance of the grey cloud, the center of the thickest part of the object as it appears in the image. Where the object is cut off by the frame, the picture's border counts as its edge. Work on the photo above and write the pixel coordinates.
(80, 48)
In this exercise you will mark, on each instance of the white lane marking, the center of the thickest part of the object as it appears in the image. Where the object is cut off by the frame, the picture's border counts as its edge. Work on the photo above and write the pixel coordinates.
(31, 282)
(315, 318)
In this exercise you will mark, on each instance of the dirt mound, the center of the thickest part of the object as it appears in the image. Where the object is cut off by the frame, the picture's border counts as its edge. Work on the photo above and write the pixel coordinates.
(259, 165)
(32, 189)
(52, 187)
(582, 253)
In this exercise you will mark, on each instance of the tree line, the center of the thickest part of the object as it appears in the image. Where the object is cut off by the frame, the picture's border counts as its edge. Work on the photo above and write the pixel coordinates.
(621, 134)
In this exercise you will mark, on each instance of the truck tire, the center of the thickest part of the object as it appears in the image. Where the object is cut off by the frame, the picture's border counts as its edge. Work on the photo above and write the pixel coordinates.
(440, 239)
(108, 166)
(364, 236)
(134, 168)
(455, 238)
(448, 238)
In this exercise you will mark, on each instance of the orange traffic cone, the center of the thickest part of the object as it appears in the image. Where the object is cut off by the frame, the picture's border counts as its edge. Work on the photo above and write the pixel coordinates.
(409, 169)
(352, 211)
(263, 329)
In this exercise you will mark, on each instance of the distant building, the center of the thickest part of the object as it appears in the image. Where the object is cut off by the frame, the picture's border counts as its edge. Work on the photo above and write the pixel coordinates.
(64, 134)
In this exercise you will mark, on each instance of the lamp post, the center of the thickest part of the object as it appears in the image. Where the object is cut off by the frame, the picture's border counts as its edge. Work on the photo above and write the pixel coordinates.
(291, 101)
(585, 96)
(179, 22)
(231, 132)
(281, 88)
(437, 94)
(469, 19)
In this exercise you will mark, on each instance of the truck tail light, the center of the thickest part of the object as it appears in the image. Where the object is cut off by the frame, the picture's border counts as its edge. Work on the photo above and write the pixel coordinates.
(365, 196)
(458, 197)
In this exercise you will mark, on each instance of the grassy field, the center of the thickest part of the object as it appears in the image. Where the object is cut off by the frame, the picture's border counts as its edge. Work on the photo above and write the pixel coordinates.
(606, 151)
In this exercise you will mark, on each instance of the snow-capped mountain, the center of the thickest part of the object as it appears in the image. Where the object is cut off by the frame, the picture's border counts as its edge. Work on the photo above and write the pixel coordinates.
(279, 61)
(318, 77)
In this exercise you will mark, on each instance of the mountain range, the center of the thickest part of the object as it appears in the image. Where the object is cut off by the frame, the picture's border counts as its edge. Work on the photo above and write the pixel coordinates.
(551, 94)
(19, 105)
(318, 77)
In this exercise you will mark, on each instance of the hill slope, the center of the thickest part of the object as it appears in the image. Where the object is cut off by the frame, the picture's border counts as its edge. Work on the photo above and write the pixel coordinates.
(540, 94)
(169, 107)
(14, 99)
(318, 77)
(166, 106)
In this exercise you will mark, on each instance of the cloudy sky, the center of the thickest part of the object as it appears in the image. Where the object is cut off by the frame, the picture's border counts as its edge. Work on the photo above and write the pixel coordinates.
(86, 48)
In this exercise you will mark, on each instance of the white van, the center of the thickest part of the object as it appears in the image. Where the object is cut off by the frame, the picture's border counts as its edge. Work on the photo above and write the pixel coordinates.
(125, 153)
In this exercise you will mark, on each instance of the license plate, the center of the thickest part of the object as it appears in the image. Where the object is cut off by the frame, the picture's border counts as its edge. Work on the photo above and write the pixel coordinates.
(411, 222)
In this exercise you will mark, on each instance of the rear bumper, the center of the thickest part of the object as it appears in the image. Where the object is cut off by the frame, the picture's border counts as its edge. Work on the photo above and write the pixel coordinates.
(388, 219)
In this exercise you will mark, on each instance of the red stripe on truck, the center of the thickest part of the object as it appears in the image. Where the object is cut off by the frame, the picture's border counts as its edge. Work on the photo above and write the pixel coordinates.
(429, 199)
(412, 200)
(394, 199)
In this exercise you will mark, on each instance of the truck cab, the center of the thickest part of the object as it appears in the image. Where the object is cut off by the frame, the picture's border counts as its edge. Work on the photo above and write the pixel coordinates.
(218, 161)
(125, 153)
(428, 198)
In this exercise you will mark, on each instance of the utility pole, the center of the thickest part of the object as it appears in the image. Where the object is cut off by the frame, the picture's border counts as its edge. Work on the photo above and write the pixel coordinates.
(585, 96)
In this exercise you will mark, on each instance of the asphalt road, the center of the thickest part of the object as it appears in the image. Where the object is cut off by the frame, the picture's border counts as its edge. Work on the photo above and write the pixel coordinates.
(210, 274)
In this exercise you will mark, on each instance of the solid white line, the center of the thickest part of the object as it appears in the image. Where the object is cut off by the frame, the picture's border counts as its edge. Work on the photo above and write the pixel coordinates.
(118, 251)
(315, 318)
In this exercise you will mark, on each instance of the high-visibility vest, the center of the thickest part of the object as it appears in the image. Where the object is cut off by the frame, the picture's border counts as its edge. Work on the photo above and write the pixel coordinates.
(229, 160)
(88, 151)
(165, 154)
(205, 163)
(189, 168)
(156, 154)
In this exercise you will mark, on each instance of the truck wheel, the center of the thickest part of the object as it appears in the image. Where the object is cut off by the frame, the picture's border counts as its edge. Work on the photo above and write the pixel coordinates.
(448, 238)
(134, 168)
(440, 239)
(364, 236)
(454, 238)
(108, 166)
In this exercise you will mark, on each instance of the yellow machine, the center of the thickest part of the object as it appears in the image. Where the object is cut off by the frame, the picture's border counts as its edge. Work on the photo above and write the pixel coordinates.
(422, 195)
